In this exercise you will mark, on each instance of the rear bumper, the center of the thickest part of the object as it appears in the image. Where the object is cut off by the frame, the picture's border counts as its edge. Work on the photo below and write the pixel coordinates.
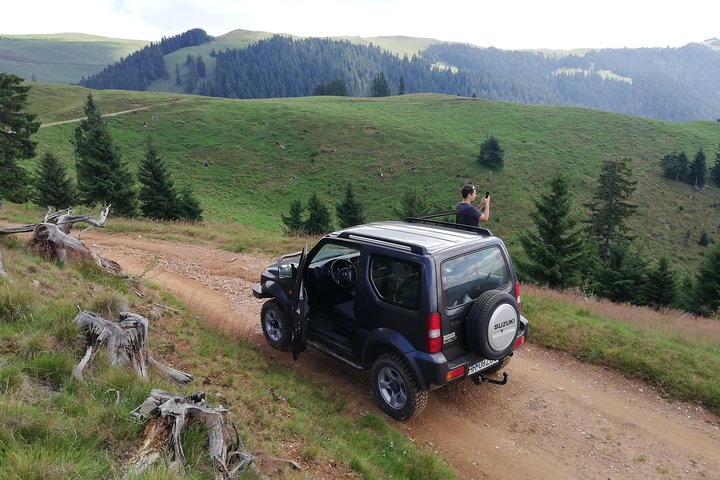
(432, 369)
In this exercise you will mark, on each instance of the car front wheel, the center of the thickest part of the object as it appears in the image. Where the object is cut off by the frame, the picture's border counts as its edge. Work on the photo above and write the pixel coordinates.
(275, 325)
(395, 387)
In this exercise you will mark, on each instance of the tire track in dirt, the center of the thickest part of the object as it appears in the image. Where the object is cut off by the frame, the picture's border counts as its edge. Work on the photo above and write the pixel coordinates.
(557, 418)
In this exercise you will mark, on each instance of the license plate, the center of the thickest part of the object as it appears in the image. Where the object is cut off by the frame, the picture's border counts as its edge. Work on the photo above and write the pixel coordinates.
(481, 365)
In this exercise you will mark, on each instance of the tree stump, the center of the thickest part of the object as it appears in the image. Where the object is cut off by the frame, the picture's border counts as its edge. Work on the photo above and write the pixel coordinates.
(126, 342)
(167, 415)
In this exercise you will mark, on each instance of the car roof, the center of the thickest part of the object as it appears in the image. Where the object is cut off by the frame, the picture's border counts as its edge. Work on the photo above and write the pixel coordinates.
(416, 237)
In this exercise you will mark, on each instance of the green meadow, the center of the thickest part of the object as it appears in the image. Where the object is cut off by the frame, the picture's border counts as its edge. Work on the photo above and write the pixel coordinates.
(263, 154)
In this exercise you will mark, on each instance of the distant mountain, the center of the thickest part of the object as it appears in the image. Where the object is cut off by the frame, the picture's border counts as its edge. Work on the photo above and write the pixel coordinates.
(677, 84)
(63, 57)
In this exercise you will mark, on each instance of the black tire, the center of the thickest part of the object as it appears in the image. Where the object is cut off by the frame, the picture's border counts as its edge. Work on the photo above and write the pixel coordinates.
(499, 366)
(492, 324)
(395, 387)
(275, 325)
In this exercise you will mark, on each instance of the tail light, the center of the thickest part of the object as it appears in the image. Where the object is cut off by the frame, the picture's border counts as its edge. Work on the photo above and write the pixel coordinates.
(517, 294)
(433, 339)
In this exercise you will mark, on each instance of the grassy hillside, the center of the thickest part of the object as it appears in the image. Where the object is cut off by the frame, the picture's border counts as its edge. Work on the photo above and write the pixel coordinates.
(62, 57)
(263, 154)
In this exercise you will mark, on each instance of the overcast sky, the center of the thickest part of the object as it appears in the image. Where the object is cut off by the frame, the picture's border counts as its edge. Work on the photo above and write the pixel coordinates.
(508, 24)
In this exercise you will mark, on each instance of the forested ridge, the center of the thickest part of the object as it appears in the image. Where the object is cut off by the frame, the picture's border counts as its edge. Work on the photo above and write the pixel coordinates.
(677, 84)
(140, 69)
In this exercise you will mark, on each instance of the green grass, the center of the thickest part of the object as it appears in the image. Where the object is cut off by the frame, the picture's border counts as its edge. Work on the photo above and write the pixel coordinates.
(263, 154)
(53, 426)
(680, 356)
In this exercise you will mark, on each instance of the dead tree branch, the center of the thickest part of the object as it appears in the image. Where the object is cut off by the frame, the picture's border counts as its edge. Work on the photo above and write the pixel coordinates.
(126, 342)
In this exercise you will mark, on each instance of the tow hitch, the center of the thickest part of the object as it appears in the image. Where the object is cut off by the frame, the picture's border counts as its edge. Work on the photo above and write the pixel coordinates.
(478, 379)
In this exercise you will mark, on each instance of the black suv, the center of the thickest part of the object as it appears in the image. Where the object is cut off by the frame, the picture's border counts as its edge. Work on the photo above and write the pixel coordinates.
(423, 302)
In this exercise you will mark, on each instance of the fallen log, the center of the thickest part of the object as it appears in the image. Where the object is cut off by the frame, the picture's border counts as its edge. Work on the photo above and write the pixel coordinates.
(167, 415)
(125, 341)
(53, 244)
(51, 240)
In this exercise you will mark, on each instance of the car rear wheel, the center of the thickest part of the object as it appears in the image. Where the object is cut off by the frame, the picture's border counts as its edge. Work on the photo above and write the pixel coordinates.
(492, 324)
(275, 325)
(395, 387)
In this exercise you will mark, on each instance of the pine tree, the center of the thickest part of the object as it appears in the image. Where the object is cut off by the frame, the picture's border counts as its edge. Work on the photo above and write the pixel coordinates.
(707, 284)
(189, 207)
(556, 250)
(685, 294)
(623, 278)
(491, 154)
(102, 177)
(380, 86)
(412, 203)
(661, 289)
(349, 211)
(293, 222)
(675, 166)
(16, 128)
(200, 65)
(318, 221)
(715, 170)
(158, 198)
(696, 175)
(401, 88)
(610, 206)
(53, 186)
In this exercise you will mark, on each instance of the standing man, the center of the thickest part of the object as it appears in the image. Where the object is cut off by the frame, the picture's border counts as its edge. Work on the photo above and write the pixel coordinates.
(469, 214)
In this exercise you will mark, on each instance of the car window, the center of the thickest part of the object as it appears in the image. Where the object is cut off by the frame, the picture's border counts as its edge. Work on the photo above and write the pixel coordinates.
(466, 277)
(396, 281)
(332, 250)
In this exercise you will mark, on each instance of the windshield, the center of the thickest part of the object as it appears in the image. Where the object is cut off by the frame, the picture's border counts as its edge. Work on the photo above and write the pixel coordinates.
(466, 277)
(331, 250)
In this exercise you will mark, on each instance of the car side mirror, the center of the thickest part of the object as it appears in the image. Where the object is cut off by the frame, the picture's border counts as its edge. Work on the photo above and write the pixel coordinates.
(286, 270)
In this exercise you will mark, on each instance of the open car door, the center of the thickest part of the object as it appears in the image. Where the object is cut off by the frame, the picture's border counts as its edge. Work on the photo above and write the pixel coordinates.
(300, 309)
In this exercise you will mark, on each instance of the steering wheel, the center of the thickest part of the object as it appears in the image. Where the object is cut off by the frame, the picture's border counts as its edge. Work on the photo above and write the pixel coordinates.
(343, 273)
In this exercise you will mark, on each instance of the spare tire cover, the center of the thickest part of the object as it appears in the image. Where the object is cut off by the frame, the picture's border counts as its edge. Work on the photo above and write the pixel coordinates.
(492, 324)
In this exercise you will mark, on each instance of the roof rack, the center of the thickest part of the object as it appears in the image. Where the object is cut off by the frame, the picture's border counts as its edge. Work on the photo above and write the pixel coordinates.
(431, 218)
(416, 249)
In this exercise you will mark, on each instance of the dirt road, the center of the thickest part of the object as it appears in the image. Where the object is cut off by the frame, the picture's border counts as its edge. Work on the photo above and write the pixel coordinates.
(557, 418)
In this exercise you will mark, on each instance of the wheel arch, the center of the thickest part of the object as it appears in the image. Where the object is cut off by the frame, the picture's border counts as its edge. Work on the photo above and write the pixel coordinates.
(276, 292)
(388, 341)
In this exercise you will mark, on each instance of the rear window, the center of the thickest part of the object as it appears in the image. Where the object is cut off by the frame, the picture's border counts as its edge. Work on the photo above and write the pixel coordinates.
(396, 281)
(466, 277)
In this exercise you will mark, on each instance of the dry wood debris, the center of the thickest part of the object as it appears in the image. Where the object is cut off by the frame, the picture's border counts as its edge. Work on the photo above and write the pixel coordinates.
(167, 415)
